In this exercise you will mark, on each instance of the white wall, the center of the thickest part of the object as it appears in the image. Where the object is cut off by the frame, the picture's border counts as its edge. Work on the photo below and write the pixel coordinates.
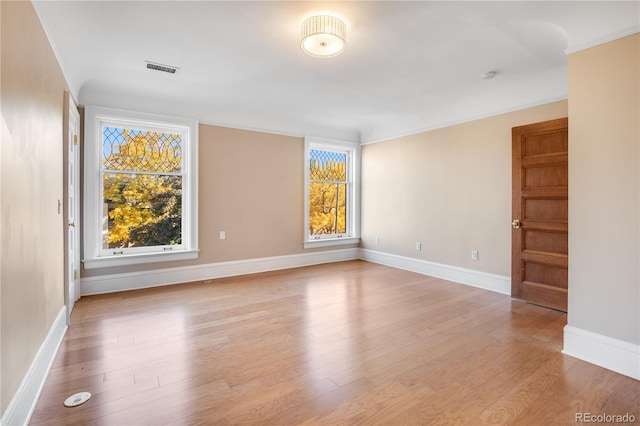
(604, 190)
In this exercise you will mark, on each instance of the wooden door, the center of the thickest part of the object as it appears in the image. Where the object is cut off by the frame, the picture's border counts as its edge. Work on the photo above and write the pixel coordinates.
(539, 241)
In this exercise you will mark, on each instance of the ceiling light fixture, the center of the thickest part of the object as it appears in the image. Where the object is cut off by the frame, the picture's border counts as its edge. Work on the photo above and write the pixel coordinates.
(323, 36)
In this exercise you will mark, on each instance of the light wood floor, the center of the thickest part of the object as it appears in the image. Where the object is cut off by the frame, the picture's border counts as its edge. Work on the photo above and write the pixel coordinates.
(344, 343)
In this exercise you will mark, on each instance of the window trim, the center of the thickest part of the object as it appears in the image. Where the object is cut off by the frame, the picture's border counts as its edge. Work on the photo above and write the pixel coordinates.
(94, 255)
(352, 236)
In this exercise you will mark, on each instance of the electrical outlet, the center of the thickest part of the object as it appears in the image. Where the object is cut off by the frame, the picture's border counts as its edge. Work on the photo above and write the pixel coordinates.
(223, 235)
(377, 240)
(418, 246)
(474, 254)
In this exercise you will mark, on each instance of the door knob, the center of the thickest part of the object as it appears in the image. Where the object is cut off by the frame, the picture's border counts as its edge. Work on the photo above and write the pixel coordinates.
(515, 223)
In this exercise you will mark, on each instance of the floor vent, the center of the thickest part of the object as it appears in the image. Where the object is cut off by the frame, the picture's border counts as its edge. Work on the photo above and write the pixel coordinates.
(160, 67)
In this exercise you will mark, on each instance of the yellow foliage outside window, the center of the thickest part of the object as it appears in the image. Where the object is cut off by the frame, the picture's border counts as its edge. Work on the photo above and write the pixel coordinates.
(328, 186)
(143, 209)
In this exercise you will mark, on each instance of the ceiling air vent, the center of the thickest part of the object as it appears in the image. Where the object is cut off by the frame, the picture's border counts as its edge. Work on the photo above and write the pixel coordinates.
(160, 67)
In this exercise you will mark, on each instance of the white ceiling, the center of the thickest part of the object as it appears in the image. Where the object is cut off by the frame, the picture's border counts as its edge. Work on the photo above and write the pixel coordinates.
(407, 67)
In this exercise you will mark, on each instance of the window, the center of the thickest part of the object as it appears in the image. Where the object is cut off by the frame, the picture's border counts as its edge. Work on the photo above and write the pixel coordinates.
(140, 188)
(331, 192)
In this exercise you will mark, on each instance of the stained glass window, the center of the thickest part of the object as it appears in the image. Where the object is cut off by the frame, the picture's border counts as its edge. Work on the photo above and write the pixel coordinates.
(328, 188)
(141, 188)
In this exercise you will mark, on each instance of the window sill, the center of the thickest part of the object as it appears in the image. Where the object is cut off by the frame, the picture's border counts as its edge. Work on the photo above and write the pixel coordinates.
(331, 242)
(137, 259)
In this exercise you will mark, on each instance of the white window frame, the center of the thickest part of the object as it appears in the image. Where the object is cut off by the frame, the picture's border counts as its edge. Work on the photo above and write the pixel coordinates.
(95, 256)
(352, 236)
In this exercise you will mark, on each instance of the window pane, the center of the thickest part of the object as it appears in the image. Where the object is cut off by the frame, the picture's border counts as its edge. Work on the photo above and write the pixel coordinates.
(327, 208)
(131, 149)
(327, 165)
(141, 210)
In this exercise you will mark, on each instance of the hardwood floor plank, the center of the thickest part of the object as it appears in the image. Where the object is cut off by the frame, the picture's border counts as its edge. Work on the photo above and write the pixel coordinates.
(357, 407)
(625, 398)
(514, 403)
(320, 406)
(344, 343)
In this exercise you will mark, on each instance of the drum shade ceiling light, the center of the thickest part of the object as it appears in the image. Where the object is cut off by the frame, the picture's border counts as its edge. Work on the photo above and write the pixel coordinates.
(323, 36)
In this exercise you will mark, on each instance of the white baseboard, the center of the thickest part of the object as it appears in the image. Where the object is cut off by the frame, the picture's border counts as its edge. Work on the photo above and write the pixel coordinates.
(607, 352)
(24, 401)
(493, 282)
(167, 276)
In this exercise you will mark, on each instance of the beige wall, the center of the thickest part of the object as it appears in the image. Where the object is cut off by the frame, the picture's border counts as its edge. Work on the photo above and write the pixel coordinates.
(449, 189)
(250, 186)
(604, 189)
(32, 290)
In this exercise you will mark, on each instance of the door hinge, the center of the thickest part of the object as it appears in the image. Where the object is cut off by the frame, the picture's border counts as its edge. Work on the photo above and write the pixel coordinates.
(75, 274)
(75, 139)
